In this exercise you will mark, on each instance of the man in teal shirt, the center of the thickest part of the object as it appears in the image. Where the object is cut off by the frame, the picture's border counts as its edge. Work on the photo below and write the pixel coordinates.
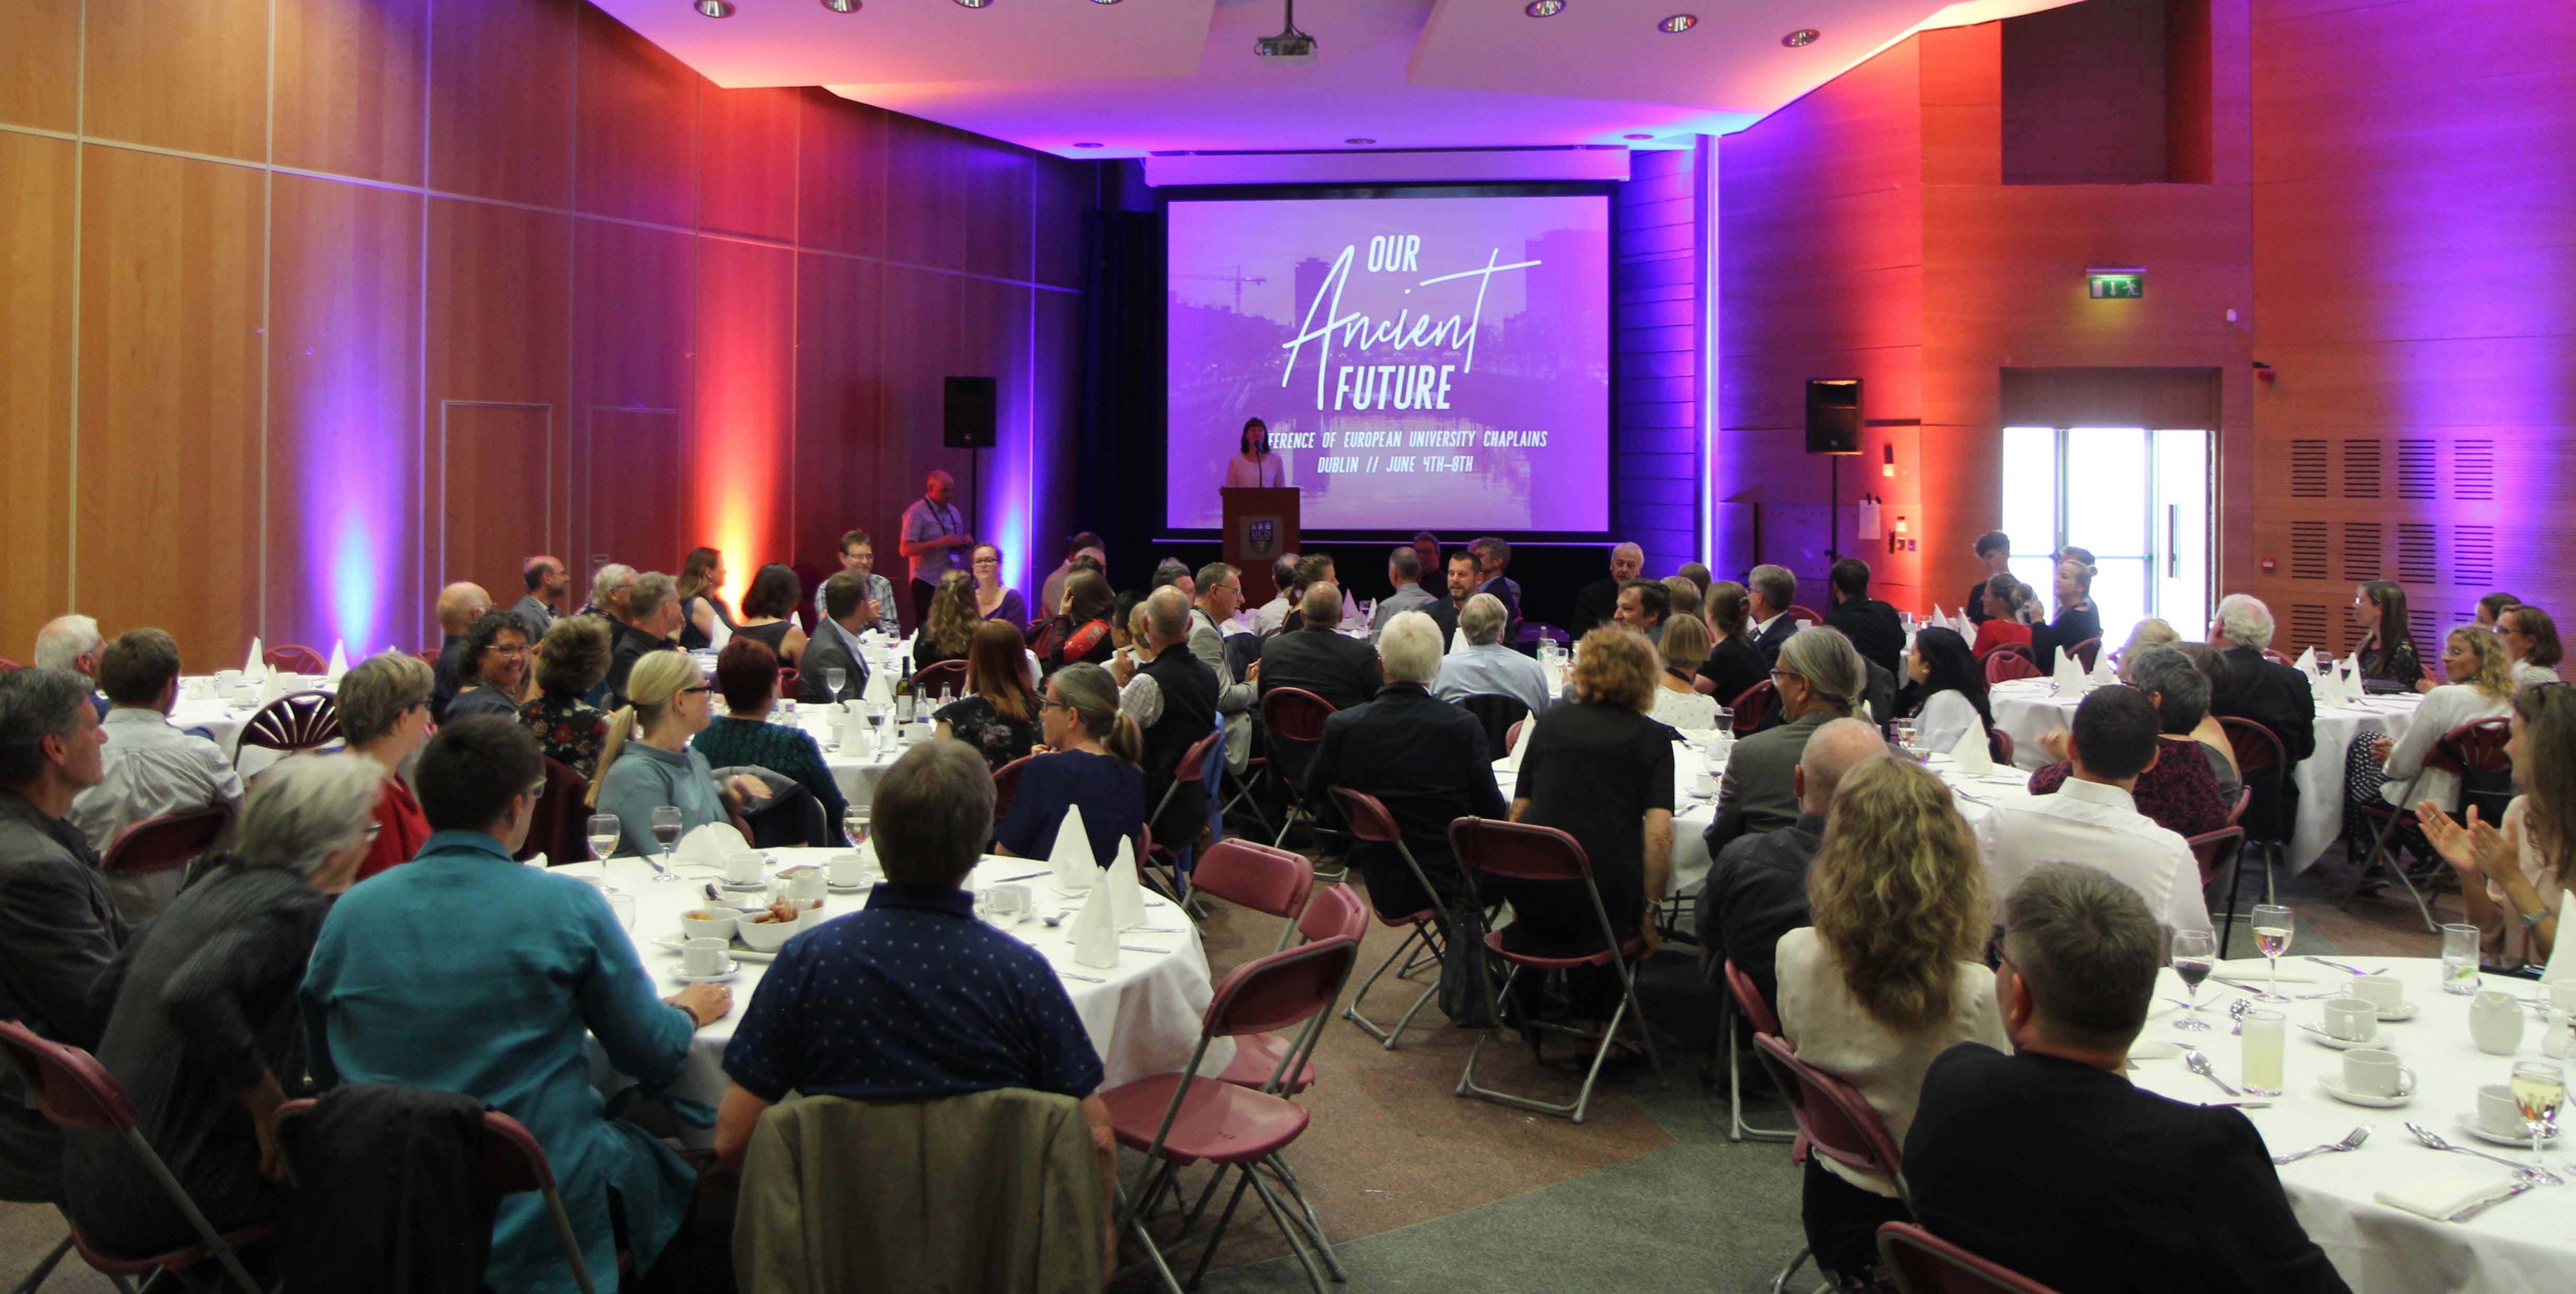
(466, 972)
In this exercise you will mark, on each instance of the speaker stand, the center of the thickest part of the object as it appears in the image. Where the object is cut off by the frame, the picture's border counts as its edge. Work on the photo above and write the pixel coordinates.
(1833, 509)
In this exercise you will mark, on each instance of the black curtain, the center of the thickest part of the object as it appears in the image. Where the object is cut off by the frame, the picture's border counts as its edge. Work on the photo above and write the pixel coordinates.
(1120, 456)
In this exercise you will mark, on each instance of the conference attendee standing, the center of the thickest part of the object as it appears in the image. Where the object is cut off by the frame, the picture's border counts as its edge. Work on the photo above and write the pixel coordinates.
(1595, 604)
(1315, 657)
(835, 645)
(1994, 552)
(993, 599)
(1734, 665)
(1873, 626)
(1254, 466)
(149, 768)
(1774, 591)
(1404, 572)
(2094, 819)
(547, 582)
(858, 555)
(459, 606)
(2078, 620)
(934, 538)
(1819, 679)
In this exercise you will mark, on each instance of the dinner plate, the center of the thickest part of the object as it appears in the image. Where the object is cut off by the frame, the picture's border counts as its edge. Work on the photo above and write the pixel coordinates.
(2468, 1122)
(2333, 1084)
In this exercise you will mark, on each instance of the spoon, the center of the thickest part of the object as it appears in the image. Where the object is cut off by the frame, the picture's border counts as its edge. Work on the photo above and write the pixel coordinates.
(2434, 1140)
(2351, 1141)
(2197, 1062)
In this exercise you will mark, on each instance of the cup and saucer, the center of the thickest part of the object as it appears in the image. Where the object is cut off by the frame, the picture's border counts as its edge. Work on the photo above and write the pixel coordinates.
(2468, 1123)
(731, 969)
(2373, 1078)
(2495, 1110)
(2334, 1086)
(2350, 1022)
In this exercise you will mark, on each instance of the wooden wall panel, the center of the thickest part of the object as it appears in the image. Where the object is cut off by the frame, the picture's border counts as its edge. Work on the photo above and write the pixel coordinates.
(962, 200)
(343, 439)
(747, 160)
(497, 486)
(636, 127)
(742, 412)
(631, 374)
(642, 461)
(36, 287)
(1065, 190)
(502, 76)
(498, 323)
(169, 449)
(842, 174)
(40, 68)
(348, 87)
(193, 77)
(840, 407)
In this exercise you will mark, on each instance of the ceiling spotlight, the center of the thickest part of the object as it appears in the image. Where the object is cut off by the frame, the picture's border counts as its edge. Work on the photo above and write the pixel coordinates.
(1544, 8)
(1088, 143)
(1636, 137)
(1673, 26)
(974, 4)
(842, 6)
(1359, 139)
(1104, 1)
(1800, 38)
(714, 8)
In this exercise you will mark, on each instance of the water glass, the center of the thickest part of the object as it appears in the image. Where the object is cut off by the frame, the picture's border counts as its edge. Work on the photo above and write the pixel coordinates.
(2266, 1039)
(623, 904)
(2460, 959)
(833, 677)
(603, 832)
(854, 824)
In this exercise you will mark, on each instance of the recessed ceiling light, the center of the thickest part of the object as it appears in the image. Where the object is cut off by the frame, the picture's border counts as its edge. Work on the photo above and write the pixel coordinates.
(714, 8)
(974, 4)
(1673, 26)
(1088, 143)
(1544, 8)
(842, 6)
(1801, 38)
(1359, 139)
(1104, 1)
(1636, 137)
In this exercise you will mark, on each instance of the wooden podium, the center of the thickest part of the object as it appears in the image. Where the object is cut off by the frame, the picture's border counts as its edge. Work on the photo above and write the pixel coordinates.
(1260, 524)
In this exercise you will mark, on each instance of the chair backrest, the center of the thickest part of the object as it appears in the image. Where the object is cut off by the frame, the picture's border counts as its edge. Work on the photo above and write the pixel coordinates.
(930, 678)
(1804, 616)
(295, 721)
(1294, 714)
(2087, 652)
(6, 665)
(1519, 850)
(1334, 911)
(294, 659)
(2258, 749)
(1924, 1263)
(1511, 737)
(2005, 666)
(560, 826)
(2210, 850)
(71, 1088)
(512, 1159)
(2277, 658)
(1999, 747)
(1255, 876)
(1837, 1120)
(2478, 746)
(1748, 998)
(1752, 706)
(787, 677)
(162, 843)
(1500, 714)
(2008, 648)
(1193, 766)
(1273, 993)
(1006, 783)
(1367, 817)
(2236, 812)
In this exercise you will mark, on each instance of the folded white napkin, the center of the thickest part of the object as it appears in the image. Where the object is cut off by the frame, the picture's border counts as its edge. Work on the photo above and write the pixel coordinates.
(710, 844)
(339, 662)
(256, 665)
(1095, 930)
(1457, 641)
(1126, 895)
(2103, 675)
(2256, 971)
(1971, 754)
(2437, 1193)
(1938, 620)
(724, 634)
(2307, 662)
(2069, 676)
(1076, 869)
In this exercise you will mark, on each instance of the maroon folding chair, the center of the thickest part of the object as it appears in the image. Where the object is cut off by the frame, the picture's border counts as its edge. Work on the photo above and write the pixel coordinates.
(293, 722)
(927, 680)
(1834, 1121)
(1923, 1263)
(1189, 777)
(560, 826)
(76, 1093)
(1531, 853)
(294, 659)
(7, 665)
(2013, 648)
(2474, 747)
(1294, 719)
(787, 677)
(512, 1162)
(1370, 822)
(2214, 851)
(1261, 1059)
(2005, 666)
(1180, 1119)
(2087, 652)
(1804, 616)
(1006, 783)
(170, 841)
(1753, 706)
(1753, 1011)
(2263, 764)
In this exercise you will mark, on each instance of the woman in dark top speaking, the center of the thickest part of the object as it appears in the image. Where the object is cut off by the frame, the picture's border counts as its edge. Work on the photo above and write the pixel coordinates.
(202, 1028)
(1600, 771)
(1089, 759)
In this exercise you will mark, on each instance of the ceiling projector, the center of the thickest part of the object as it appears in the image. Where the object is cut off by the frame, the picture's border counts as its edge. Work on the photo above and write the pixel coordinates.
(1289, 46)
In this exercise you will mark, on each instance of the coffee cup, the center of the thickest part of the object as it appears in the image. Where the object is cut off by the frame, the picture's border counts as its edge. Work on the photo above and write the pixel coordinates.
(226, 680)
(245, 695)
(2372, 1072)
(716, 924)
(744, 868)
(803, 886)
(2351, 1019)
(703, 957)
(1703, 784)
(2385, 992)
(848, 869)
(2499, 1113)
(1010, 902)
(2560, 993)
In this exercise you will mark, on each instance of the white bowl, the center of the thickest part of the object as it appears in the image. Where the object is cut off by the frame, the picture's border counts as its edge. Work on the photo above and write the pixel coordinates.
(718, 926)
(766, 936)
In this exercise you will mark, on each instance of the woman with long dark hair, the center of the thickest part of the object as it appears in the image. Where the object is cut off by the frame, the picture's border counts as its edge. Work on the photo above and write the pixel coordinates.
(1253, 465)
(2387, 649)
(2515, 880)
(998, 716)
(1945, 691)
(702, 604)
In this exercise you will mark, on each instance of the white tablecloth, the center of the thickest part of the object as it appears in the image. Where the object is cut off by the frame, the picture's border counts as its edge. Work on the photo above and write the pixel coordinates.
(2027, 708)
(2526, 1244)
(1143, 1019)
(223, 720)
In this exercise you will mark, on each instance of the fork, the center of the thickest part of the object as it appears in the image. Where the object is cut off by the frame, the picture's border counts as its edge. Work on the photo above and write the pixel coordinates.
(2351, 1141)
(2197, 1062)
(2351, 970)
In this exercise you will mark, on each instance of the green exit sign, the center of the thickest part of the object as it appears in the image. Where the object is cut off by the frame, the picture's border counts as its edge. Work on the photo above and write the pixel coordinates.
(2117, 283)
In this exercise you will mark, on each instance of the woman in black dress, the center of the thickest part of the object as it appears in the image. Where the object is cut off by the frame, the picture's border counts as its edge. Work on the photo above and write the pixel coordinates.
(998, 716)
(769, 612)
(702, 577)
(1080, 630)
(950, 629)
(1734, 664)
(2078, 620)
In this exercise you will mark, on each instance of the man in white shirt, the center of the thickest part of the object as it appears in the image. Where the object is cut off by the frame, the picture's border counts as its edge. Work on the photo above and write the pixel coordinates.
(151, 768)
(1770, 592)
(1486, 667)
(2093, 822)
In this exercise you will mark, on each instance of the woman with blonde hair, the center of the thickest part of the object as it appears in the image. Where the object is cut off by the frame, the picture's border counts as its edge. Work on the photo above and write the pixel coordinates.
(998, 716)
(2150, 632)
(2378, 768)
(649, 764)
(950, 630)
(1684, 646)
(1886, 979)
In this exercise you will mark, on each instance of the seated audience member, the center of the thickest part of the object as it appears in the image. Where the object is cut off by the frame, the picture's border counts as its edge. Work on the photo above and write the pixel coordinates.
(744, 737)
(2093, 819)
(1875, 630)
(2266, 691)
(2171, 1196)
(998, 716)
(1461, 579)
(1088, 758)
(1174, 572)
(1289, 590)
(494, 671)
(2378, 770)
(1493, 557)
(1602, 772)
(2180, 791)
(1404, 574)
(702, 604)
(1994, 553)
(1698, 574)
(858, 557)
(148, 767)
(1485, 667)
(384, 717)
(1684, 647)
(1426, 545)
(1316, 657)
(1734, 664)
(2078, 620)
(1945, 691)
(769, 612)
(1172, 697)
(1643, 606)
(1819, 678)
(994, 600)
(1123, 635)
(512, 1015)
(1080, 630)
(201, 1023)
(2207, 730)
(2007, 607)
(1082, 544)
(649, 764)
(654, 603)
(858, 1009)
(56, 919)
(1682, 597)
(459, 607)
(2530, 641)
(1774, 590)
(1220, 597)
(608, 588)
(2514, 881)
(1422, 757)
(72, 642)
(1886, 980)
(835, 646)
(547, 583)
(950, 627)
(1597, 603)
(2150, 632)
(2491, 609)
(1757, 886)
(570, 662)
(1314, 569)
(2387, 650)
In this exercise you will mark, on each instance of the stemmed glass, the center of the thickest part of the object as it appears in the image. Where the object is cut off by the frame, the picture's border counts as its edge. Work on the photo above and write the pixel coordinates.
(666, 829)
(876, 716)
(2539, 1088)
(854, 825)
(2192, 954)
(2272, 929)
(604, 833)
(833, 677)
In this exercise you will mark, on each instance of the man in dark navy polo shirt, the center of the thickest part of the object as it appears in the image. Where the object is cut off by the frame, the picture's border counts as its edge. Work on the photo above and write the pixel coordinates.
(913, 998)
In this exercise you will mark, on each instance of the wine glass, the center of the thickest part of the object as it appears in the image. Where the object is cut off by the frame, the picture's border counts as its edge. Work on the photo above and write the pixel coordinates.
(604, 834)
(666, 829)
(876, 715)
(2272, 928)
(2539, 1088)
(2192, 954)
(833, 677)
(854, 824)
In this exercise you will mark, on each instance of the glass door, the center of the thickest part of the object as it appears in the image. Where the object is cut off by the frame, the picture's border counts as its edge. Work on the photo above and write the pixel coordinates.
(2137, 498)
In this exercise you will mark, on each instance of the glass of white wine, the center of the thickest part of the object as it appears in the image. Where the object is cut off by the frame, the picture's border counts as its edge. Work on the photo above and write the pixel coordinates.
(833, 677)
(2540, 1089)
(666, 829)
(854, 825)
(2272, 928)
(2192, 954)
(604, 833)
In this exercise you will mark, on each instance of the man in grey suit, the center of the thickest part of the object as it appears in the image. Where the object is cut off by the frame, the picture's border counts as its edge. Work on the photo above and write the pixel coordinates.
(1404, 571)
(1819, 677)
(835, 645)
(1220, 597)
(547, 582)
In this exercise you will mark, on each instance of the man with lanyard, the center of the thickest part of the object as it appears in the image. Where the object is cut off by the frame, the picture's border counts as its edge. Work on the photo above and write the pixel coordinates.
(934, 540)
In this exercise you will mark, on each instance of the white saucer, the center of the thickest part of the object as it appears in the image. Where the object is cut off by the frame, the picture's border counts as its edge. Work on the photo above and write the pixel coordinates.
(2333, 1084)
(860, 888)
(2317, 1034)
(2469, 1124)
(731, 969)
(742, 887)
(2406, 1012)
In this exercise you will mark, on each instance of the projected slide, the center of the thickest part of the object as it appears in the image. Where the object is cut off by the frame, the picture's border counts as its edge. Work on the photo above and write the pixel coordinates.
(1421, 362)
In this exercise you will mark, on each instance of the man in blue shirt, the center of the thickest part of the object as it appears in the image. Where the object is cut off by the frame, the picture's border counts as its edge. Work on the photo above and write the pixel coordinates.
(913, 998)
